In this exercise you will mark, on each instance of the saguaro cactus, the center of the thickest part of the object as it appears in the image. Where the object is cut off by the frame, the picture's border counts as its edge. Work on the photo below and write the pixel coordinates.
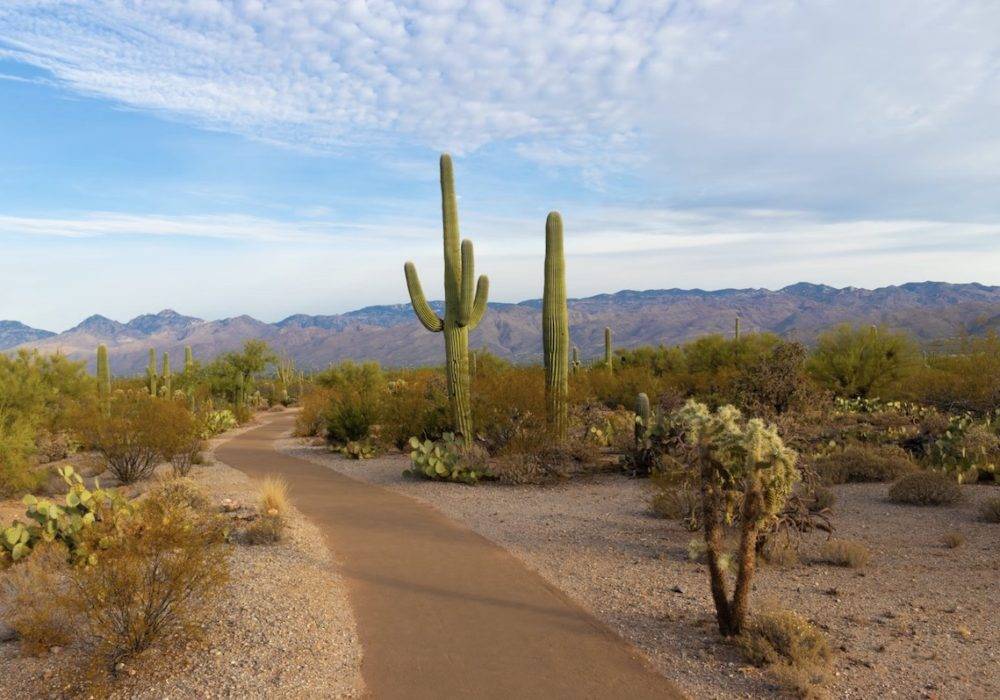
(575, 364)
(462, 309)
(188, 359)
(555, 328)
(151, 372)
(608, 358)
(168, 383)
(103, 374)
(642, 415)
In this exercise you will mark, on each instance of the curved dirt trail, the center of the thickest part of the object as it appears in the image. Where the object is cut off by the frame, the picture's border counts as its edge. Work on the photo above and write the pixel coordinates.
(441, 611)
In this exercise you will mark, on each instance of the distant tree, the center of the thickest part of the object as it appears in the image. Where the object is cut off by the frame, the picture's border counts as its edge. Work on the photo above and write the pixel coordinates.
(859, 362)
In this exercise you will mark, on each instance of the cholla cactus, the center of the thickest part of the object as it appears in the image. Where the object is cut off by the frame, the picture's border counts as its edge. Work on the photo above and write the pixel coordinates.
(103, 374)
(555, 328)
(746, 475)
(463, 309)
(151, 377)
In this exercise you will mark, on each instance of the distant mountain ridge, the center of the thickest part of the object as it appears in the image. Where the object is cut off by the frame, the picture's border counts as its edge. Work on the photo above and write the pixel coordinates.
(391, 334)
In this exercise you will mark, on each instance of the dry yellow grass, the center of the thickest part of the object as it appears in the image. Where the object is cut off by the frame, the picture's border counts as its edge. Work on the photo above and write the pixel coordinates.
(274, 496)
(849, 553)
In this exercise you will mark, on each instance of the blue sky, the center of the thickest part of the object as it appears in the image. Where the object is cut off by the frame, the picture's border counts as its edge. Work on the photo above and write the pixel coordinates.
(280, 157)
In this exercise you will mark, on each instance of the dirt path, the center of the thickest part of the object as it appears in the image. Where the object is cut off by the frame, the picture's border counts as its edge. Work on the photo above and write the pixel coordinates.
(441, 611)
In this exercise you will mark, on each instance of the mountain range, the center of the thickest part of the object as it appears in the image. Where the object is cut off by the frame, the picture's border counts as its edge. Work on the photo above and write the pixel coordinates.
(390, 334)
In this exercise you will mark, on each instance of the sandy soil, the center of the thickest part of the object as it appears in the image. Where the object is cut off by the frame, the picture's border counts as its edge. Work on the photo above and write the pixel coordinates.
(919, 621)
(282, 629)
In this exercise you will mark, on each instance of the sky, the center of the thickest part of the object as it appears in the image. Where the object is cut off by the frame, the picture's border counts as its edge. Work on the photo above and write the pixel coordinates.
(277, 157)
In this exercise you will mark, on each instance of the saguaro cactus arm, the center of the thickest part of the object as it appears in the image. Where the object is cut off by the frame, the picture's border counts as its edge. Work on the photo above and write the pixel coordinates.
(479, 303)
(418, 301)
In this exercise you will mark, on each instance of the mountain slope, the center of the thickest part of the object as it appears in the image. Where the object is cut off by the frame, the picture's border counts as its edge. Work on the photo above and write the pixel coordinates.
(13, 333)
(390, 334)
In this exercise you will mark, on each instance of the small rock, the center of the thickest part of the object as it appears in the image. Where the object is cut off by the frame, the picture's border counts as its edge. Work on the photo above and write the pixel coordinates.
(677, 589)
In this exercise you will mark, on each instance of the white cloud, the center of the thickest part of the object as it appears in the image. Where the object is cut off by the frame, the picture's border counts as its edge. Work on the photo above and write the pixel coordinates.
(708, 99)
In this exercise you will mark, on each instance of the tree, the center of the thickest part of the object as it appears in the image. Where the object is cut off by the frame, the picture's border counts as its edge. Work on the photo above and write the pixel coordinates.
(859, 363)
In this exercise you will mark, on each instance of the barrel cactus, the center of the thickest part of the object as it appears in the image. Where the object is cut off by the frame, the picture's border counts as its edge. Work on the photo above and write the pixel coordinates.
(463, 308)
(555, 328)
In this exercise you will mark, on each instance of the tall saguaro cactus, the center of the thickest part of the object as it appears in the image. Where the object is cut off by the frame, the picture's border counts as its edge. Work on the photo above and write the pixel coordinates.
(608, 358)
(462, 309)
(188, 359)
(168, 381)
(103, 374)
(555, 328)
(151, 372)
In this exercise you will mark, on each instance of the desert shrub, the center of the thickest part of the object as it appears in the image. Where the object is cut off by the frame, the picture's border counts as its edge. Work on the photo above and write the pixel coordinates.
(180, 491)
(508, 409)
(447, 460)
(780, 552)
(416, 405)
(359, 449)
(158, 569)
(17, 445)
(217, 422)
(864, 463)
(127, 433)
(620, 388)
(775, 382)
(32, 598)
(309, 422)
(989, 510)
(854, 555)
(680, 504)
(178, 435)
(265, 529)
(953, 540)
(552, 463)
(745, 473)
(822, 499)
(926, 489)
(860, 362)
(966, 378)
(354, 400)
(797, 654)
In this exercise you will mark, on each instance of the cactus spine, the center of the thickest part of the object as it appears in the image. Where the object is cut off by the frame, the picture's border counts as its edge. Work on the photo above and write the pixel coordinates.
(103, 374)
(168, 382)
(151, 372)
(462, 310)
(608, 358)
(736, 329)
(555, 328)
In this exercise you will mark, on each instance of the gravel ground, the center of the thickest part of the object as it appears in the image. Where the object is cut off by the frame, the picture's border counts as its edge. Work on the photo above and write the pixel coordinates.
(282, 629)
(918, 622)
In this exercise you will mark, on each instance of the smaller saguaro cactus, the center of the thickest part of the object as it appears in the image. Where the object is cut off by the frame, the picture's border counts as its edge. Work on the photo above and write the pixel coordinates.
(168, 382)
(555, 328)
(736, 329)
(103, 374)
(285, 371)
(642, 414)
(575, 363)
(608, 356)
(151, 377)
(188, 359)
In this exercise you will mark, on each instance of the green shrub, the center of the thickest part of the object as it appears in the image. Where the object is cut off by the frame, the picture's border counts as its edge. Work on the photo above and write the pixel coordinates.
(416, 405)
(864, 463)
(796, 653)
(926, 489)
(861, 362)
(159, 567)
(854, 555)
(350, 416)
(128, 432)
